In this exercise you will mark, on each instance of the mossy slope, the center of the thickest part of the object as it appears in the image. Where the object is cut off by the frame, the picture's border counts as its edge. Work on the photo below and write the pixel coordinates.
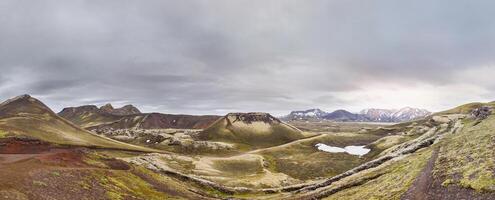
(28, 117)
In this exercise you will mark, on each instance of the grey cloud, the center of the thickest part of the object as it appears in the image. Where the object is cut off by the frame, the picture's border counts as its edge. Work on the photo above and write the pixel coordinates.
(217, 56)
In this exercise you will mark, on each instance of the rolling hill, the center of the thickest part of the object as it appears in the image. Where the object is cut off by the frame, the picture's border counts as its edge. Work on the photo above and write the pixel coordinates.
(25, 116)
(254, 129)
(91, 117)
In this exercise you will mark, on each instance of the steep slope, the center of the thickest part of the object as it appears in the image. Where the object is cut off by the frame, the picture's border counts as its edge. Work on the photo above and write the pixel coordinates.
(91, 117)
(254, 129)
(24, 116)
(88, 116)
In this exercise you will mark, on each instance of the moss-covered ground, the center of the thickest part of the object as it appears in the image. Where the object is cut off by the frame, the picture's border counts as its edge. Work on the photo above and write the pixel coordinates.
(391, 181)
(467, 159)
(305, 162)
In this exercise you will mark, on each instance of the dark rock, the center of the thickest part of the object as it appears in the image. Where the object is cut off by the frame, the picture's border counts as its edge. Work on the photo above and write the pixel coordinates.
(482, 112)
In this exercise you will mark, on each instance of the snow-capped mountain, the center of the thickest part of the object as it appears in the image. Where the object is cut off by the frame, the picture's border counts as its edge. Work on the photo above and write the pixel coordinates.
(366, 115)
(394, 115)
(378, 115)
(408, 113)
(306, 114)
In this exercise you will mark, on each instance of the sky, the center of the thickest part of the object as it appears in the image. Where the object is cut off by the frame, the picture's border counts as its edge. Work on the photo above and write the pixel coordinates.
(215, 57)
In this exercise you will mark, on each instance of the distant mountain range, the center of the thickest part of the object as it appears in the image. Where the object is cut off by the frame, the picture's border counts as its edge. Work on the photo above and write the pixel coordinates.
(366, 115)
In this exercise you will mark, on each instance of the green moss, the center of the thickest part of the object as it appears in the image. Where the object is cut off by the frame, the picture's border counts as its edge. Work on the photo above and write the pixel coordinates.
(467, 158)
(3, 134)
(181, 187)
(122, 184)
(391, 182)
(55, 173)
(304, 155)
(94, 159)
(447, 182)
(239, 167)
(39, 183)
(44, 125)
(138, 187)
(276, 134)
(113, 195)
(83, 184)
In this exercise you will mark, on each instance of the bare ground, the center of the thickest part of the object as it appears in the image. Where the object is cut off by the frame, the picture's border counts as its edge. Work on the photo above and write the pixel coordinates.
(419, 189)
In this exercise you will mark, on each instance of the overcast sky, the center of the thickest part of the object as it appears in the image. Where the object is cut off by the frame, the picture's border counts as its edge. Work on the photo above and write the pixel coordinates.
(214, 57)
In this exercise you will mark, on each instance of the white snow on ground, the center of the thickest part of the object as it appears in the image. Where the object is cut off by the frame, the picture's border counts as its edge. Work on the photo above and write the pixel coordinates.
(353, 150)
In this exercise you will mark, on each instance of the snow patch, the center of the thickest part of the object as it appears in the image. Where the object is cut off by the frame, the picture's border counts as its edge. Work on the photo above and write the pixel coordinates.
(353, 150)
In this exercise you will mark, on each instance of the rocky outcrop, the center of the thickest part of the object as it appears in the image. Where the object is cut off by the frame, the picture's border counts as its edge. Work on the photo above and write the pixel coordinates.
(251, 117)
(481, 112)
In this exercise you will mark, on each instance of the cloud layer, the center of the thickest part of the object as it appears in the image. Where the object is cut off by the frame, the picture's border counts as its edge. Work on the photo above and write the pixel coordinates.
(213, 57)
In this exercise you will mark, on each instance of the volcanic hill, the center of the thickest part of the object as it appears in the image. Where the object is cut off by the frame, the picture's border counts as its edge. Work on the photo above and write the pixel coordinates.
(255, 129)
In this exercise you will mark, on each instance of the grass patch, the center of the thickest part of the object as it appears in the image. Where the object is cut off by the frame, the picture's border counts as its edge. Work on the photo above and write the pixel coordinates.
(3, 134)
(467, 159)
(304, 161)
(393, 182)
(239, 167)
(39, 183)
(55, 173)
(122, 185)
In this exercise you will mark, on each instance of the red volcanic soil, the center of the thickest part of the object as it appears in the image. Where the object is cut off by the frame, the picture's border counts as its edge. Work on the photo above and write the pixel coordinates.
(23, 146)
(31, 170)
(17, 149)
(28, 167)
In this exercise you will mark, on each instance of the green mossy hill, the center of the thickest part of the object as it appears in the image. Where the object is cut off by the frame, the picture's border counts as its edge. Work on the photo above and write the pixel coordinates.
(389, 182)
(254, 129)
(28, 117)
(467, 159)
(466, 108)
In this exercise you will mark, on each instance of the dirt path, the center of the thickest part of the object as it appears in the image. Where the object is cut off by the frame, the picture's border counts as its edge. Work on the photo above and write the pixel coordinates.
(423, 183)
